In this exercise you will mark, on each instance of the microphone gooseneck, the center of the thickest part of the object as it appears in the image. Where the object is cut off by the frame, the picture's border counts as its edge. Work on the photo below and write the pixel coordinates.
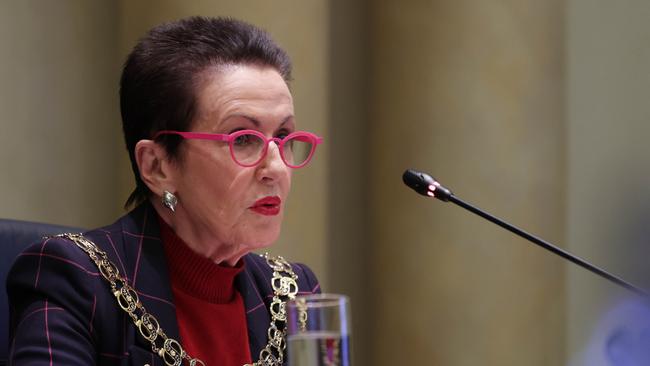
(425, 185)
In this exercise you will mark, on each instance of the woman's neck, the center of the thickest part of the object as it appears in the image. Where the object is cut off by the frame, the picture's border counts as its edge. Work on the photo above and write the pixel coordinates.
(200, 239)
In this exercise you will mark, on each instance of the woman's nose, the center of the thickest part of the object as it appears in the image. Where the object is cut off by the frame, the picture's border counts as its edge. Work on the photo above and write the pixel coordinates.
(272, 166)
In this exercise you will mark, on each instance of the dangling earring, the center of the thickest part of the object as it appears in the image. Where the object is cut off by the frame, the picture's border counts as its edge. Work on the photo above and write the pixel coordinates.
(169, 200)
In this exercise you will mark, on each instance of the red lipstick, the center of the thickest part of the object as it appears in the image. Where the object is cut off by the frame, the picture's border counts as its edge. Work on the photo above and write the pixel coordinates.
(268, 206)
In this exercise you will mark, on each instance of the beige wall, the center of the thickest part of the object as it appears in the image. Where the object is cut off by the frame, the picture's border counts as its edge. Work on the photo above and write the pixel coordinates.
(608, 202)
(473, 93)
(349, 241)
(59, 124)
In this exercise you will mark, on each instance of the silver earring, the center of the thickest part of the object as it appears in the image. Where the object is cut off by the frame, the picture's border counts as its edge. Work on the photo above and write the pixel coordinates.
(169, 200)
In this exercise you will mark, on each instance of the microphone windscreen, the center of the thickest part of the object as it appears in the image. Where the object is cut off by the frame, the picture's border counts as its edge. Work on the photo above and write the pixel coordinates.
(418, 181)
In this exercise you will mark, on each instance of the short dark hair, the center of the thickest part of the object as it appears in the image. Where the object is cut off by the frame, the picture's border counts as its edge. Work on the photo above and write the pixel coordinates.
(160, 76)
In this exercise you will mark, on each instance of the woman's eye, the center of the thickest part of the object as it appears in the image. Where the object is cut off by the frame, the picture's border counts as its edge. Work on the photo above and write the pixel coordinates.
(243, 140)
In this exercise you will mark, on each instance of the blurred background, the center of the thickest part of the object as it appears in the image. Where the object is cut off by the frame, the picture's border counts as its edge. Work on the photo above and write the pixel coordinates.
(536, 111)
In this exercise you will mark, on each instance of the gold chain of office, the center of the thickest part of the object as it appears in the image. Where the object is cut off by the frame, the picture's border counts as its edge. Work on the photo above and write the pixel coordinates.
(285, 287)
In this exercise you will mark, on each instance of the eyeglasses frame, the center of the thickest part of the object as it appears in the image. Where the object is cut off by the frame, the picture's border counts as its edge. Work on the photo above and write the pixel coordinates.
(229, 138)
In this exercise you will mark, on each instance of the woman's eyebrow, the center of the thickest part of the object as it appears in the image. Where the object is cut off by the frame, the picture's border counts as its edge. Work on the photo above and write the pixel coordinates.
(249, 118)
(257, 123)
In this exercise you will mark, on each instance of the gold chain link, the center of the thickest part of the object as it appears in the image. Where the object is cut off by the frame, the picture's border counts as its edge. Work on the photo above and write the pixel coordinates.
(285, 287)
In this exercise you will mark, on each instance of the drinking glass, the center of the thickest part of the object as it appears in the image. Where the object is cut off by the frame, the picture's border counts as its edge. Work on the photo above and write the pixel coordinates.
(318, 330)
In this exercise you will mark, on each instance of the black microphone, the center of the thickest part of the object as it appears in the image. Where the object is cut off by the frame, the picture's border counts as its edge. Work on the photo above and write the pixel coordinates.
(425, 185)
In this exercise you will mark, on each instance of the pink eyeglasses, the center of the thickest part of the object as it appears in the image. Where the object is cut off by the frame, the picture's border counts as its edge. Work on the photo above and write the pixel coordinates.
(249, 147)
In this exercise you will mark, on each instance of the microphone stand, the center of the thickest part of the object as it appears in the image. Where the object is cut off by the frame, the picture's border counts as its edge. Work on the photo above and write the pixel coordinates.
(427, 186)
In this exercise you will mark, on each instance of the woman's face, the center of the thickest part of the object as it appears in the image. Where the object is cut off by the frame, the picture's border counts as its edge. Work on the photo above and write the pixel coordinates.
(218, 200)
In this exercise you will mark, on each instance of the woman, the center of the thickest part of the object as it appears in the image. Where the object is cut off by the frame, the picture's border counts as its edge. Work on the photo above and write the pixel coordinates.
(209, 126)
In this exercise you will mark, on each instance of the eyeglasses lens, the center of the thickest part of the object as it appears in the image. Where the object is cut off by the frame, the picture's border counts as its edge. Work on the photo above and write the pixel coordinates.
(247, 148)
(297, 150)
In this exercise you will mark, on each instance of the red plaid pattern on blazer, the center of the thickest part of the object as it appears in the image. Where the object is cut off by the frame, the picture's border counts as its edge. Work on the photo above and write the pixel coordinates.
(63, 313)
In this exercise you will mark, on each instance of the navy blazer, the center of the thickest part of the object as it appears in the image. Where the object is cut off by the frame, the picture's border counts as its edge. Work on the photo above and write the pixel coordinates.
(63, 312)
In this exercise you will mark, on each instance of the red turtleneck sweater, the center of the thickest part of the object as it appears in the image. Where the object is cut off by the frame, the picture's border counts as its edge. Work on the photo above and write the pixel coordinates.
(210, 311)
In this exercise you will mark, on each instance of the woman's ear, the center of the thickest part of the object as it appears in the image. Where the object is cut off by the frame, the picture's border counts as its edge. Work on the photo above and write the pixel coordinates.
(155, 166)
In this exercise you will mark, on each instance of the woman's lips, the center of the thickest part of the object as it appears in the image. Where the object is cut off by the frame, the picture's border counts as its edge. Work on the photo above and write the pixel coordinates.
(268, 206)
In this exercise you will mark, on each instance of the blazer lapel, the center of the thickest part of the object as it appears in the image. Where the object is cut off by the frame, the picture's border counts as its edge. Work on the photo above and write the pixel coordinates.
(147, 268)
(257, 314)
